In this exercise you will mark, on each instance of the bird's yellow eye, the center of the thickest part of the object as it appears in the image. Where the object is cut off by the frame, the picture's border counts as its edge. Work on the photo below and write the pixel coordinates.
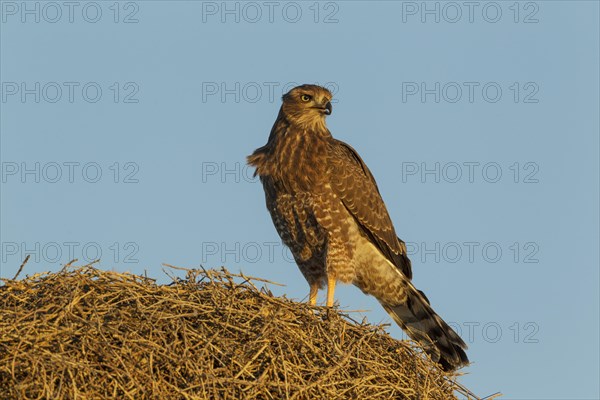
(305, 97)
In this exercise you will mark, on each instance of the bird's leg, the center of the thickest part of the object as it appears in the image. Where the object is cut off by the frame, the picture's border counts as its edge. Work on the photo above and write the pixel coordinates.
(330, 290)
(312, 297)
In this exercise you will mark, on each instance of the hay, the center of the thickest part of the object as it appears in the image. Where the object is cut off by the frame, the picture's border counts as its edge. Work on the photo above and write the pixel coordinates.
(90, 334)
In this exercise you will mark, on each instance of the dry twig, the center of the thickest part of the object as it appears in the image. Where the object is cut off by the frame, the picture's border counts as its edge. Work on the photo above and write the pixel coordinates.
(87, 333)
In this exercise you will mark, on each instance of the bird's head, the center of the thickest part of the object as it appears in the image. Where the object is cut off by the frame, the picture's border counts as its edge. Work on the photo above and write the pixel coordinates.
(307, 106)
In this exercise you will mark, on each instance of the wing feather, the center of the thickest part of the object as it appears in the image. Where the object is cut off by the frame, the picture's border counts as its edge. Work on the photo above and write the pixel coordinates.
(356, 187)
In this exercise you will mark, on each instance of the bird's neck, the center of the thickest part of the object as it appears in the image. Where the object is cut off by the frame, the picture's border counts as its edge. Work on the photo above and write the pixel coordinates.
(294, 152)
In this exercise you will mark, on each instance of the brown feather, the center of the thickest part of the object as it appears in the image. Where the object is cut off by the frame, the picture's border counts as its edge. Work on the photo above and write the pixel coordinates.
(326, 207)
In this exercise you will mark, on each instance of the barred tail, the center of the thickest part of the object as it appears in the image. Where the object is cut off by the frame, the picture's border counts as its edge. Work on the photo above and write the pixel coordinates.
(423, 325)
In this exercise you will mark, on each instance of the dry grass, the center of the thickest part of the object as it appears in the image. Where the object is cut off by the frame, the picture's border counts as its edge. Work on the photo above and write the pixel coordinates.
(84, 333)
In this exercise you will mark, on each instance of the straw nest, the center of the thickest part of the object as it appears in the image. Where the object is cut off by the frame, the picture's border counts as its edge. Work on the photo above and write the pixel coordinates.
(85, 333)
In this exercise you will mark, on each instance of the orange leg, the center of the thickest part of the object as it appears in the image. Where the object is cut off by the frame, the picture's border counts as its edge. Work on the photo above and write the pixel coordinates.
(312, 297)
(330, 291)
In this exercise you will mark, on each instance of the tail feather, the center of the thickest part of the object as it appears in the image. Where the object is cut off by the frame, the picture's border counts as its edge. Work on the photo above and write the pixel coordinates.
(423, 325)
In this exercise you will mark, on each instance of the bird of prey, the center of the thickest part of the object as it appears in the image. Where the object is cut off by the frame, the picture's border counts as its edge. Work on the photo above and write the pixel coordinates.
(326, 207)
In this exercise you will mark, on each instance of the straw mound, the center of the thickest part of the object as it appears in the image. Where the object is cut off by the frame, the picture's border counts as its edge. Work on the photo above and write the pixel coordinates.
(88, 333)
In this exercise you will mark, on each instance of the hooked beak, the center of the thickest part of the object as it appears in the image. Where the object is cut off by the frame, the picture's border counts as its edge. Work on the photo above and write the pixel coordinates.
(325, 110)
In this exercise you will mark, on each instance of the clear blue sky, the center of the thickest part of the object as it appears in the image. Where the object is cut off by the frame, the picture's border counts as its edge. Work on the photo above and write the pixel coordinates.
(124, 131)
